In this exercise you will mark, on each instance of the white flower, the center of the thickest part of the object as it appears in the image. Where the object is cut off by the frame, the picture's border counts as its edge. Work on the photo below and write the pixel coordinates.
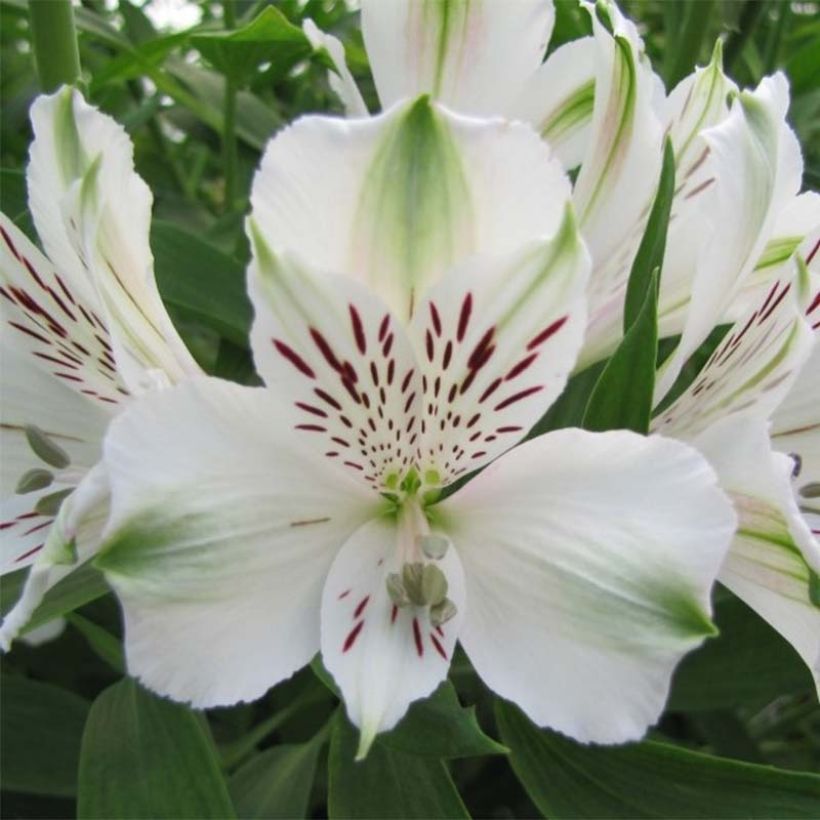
(418, 282)
(83, 330)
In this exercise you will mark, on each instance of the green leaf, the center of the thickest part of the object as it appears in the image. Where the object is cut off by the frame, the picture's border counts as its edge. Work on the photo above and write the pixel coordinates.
(567, 779)
(82, 586)
(622, 396)
(143, 756)
(748, 663)
(268, 38)
(200, 281)
(100, 640)
(40, 731)
(653, 243)
(388, 783)
(277, 782)
(440, 727)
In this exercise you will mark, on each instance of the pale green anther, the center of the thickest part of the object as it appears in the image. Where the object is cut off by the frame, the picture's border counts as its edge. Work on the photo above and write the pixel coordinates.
(34, 479)
(396, 590)
(45, 448)
(811, 490)
(50, 504)
(434, 546)
(411, 576)
(442, 612)
(433, 585)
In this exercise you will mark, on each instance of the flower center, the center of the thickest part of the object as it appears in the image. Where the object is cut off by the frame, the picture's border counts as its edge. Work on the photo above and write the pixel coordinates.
(420, 581)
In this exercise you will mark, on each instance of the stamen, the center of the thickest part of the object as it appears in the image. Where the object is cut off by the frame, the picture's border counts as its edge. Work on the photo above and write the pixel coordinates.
(433, 545)
(442, 612)
(45, 448)
(34, 479)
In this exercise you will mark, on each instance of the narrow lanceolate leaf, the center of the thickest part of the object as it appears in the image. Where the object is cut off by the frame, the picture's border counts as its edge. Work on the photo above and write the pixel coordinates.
(143, 756)
(40, 730)
(651, 250)
(439, 727)
(622, 397)
(565, 779)
(268, 38)
(379, 787)
(277, 782)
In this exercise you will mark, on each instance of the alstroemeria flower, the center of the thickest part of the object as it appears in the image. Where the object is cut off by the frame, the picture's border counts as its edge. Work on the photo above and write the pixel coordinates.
(418, 282)
(774, 560)
(599, 105)
(83, 330)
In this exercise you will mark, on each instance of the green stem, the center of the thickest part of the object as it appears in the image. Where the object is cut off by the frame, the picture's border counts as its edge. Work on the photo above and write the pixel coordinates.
(55, 43)
(749, 17)
(229, 149)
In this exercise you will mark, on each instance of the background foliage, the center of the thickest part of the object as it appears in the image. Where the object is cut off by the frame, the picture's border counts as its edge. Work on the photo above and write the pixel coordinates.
(79, 737)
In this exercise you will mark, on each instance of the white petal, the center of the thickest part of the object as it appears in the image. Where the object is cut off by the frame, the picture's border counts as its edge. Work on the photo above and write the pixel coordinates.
(23, 531)
(472, 56)
(52, 327)
(796, 424)
(395, 200)
(619, 173)
(93, 214)
(341, 80)
(558, 100)
(755, 364)
(589, 559)
(381, 656)
(757, 169)
(773, 554)
(496, 340)
(68, 541)
(341, 364)
(222, 532)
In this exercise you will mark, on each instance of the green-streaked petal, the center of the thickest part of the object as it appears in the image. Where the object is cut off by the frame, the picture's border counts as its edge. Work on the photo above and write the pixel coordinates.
(589, 559)
(221, 534)
(774, 561)
(396, 200)
(473, 55)
(558, 100)
(620, 170)
(496, 340)
(754, 365)
(93, 214)
(755, 172)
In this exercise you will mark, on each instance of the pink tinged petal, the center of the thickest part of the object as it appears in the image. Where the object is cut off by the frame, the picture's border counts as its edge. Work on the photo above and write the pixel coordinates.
(754, 365)
(756, 162)
(496, 341)
(381, 656)
(45, 316)
(589, 560)
(341, 363)
(774, 553)
(93, 213)
(473, 56)
(223, 528)
(404, 196)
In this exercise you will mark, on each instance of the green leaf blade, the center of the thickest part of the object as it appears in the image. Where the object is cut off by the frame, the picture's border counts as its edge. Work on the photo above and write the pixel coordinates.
(143, 756)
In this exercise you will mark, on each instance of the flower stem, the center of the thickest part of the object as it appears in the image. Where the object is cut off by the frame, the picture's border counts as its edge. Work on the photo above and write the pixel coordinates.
(55, 43)
(229, 149)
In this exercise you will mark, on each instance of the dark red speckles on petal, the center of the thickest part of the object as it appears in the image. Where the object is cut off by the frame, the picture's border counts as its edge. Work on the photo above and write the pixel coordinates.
(360, 607)
(437, 645)
(358, 330)
(351, 637)
(548, 331)
(294, 358)
(417, 637)
(464, 316)
(518, 397)
(435, 318)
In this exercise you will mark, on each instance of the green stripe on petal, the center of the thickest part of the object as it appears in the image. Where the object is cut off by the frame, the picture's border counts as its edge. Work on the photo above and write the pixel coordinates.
(415, 208)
